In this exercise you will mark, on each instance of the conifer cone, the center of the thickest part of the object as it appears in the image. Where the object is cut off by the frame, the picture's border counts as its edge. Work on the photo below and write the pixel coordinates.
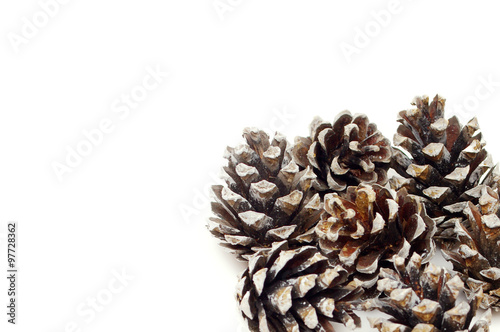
(371, 225)
(267, 197)
(295, 290)
(475, 251)
(348, 152)
(439, 158)
(423, 298)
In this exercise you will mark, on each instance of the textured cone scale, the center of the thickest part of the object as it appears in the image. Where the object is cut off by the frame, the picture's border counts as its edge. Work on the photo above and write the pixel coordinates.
(267, 197)
(371, 224)
(348, 152)
(295, 290)
(423, 298)
(484, 197)
(439, 158)
(475, 251)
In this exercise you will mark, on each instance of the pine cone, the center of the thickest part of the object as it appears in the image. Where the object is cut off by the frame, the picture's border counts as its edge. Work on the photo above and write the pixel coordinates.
(267, 198)
(372, 224)
(295, 290)
(424, 299)
(439, 159)
(349, 152)
(475, 251)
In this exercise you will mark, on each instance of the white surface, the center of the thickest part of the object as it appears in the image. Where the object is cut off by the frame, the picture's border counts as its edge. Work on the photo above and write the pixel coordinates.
(120, 207)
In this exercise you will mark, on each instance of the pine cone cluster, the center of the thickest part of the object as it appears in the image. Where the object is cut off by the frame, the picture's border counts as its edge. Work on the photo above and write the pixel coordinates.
(341, 221)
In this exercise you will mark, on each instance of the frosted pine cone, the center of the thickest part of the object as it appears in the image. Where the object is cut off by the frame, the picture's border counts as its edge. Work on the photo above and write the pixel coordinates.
(372, 224)
(439, 158)
(475, 251)
(295, 290)
(349, 152)
(267, 198)
(424, 299)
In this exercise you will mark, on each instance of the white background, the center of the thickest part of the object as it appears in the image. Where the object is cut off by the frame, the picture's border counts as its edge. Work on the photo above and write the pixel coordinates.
(120, 207)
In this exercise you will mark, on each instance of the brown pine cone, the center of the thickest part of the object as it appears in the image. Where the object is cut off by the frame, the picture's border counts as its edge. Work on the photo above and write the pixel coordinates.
(267, 198)
(349, 152)
(475, 248)
(439, 159)
(423, 298)
(295, 290)
(371, 224)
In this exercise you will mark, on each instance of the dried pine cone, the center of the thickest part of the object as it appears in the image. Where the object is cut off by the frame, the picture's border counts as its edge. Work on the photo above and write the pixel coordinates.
(349, 152)
(372, 224)
(424, 299)
(440, 159)
(475, 251)
(267, 198)
(295, 290)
